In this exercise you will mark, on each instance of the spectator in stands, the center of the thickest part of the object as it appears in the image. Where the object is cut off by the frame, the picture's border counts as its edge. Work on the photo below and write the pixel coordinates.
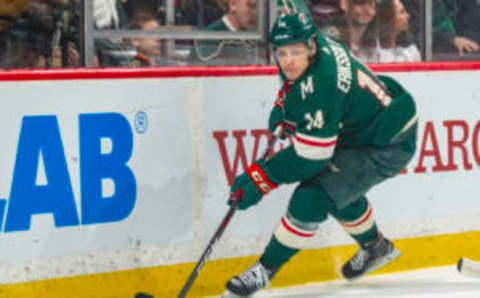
(138, 51)
(241, 15)
(445, 36)
(466, 17)
(109, 14)
(60, 21)
(395, 40)
(325, 12)
(148, 50)
(356, 28)
(156, 7)
(37, 34)
(10, 11)
(199, 13)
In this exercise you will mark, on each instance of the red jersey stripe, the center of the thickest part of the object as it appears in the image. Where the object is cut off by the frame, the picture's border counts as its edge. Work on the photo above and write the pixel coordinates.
(360, 221)
(295, 231)
(315, 143)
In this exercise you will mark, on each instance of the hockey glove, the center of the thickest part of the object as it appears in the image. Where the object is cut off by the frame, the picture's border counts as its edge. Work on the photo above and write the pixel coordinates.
(278, 125)
(249, 187)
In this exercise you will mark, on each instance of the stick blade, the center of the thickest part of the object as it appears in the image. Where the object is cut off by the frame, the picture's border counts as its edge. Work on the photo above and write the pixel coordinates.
(143, 295)
(460, 265)
(468, 267)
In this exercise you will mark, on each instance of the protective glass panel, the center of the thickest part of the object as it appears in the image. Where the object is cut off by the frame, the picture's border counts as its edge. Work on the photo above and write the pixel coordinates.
(227, 16)
(143, 52)
(386, 31)
(39, 33)
(456, 30)
(46, 33)
(229, 52)
(219, 16)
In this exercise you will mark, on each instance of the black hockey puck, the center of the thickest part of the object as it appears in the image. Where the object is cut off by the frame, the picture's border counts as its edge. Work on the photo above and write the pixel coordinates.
(459, 265)
(143, 295)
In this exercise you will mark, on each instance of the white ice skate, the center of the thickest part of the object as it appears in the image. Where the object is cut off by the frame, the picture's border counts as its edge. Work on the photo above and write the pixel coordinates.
(369, 258)
(255, 278)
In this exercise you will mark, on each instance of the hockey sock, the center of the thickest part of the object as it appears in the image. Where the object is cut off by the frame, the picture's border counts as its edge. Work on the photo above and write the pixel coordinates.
(289, 237)
(358, 220)
(276, 254)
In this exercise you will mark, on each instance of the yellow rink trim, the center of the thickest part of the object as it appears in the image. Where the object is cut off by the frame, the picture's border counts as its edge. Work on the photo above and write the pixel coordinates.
(308, 266)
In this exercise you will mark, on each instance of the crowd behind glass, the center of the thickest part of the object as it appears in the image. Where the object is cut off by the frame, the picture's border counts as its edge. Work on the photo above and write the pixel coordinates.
(48, 33)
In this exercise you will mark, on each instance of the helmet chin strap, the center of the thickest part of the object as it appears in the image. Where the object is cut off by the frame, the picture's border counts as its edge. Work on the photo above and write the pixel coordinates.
(311, 47)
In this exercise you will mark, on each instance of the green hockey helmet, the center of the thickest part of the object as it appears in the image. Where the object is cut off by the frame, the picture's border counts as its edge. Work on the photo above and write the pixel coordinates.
(292, 28)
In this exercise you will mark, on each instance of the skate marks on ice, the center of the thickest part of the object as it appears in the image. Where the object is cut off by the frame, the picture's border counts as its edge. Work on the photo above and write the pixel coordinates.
(443, 282)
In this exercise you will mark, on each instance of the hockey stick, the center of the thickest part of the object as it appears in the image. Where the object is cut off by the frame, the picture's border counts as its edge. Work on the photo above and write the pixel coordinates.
(218, 233)
(468, 267)
(143, 295)
(220, 230)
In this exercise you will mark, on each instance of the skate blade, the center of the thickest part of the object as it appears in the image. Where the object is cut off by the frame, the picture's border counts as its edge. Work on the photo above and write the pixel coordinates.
(226, 294)
(386, 260)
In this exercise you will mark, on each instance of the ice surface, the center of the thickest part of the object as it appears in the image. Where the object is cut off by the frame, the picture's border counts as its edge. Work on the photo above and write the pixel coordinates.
(443, 282)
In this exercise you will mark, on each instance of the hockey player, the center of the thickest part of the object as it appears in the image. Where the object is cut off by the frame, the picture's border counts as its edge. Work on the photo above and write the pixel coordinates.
(353, 130)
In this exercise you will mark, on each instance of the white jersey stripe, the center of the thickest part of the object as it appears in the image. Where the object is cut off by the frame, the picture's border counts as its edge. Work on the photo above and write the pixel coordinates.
(292, 236)
(314, 148)
(361, 225)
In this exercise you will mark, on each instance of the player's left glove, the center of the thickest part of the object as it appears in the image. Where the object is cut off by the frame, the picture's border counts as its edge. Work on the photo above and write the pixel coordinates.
(249, 187)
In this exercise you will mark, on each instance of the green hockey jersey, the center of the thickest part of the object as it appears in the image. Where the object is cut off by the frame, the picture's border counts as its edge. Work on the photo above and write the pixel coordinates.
(338, 103)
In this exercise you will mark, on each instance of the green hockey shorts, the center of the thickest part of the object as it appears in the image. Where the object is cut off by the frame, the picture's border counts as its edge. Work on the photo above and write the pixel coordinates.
(352, 172)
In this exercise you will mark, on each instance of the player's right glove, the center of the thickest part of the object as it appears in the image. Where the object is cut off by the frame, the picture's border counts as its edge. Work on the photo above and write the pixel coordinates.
(278, 125)
(249, 187)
